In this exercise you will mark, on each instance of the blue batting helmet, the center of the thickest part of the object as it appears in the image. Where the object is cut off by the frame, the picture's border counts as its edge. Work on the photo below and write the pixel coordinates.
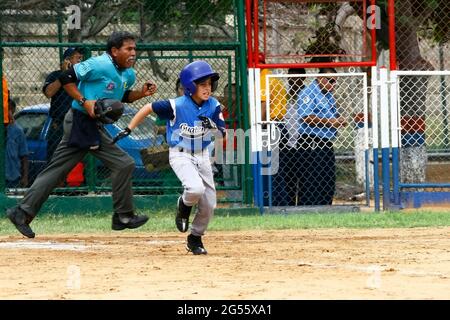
(194, 73)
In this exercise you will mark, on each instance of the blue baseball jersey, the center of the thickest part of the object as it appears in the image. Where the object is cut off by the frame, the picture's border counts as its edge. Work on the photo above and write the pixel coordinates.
(184, 127)
(312, 101)
(100, 78)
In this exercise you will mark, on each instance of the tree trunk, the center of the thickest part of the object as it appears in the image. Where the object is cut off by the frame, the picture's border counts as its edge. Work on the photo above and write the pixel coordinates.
(413, 92)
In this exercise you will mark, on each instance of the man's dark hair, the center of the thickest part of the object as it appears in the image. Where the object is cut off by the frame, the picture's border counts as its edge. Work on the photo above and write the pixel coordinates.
(296, 71)
(117, 38)
(327, 70)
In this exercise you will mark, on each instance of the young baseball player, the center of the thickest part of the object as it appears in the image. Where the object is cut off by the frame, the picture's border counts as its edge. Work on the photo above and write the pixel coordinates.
(192, 120)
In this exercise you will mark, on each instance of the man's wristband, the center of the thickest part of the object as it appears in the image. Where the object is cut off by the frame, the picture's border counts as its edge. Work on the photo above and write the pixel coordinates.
(82, 101)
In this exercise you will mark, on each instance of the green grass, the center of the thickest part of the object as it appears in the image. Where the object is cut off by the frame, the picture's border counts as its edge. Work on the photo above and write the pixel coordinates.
(164, 221)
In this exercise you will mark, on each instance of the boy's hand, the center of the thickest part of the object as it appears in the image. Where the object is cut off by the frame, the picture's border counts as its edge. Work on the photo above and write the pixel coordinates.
(207, 123)
(122, 134)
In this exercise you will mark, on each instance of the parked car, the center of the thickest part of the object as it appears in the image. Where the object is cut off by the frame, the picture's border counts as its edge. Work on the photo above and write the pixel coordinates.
(35, 121)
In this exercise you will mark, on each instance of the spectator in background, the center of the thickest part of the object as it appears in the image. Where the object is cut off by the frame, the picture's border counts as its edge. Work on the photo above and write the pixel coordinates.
(16, 156)
(229, 167)
(319, 122)
(60, 101)
(286, 182)
(179, 90)
(277, 95)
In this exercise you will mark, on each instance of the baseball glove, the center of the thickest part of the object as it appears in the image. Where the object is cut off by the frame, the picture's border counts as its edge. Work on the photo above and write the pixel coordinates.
(108, 110)
(155, 158)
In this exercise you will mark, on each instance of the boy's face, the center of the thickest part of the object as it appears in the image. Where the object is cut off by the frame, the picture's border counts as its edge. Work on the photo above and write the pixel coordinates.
(203, 91)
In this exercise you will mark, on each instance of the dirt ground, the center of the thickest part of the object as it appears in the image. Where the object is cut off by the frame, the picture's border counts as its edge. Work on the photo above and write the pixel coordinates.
(289, 264)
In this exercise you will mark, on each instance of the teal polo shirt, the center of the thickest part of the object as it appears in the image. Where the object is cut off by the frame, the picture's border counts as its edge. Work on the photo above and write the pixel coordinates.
(100, 78)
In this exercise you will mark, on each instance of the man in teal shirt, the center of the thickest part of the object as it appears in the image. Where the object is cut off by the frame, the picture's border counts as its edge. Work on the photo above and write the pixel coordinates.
(107, 76)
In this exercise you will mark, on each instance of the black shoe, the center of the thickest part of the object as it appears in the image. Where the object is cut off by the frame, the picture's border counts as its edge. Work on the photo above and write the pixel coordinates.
(195, 245)
(183, 213)
(132, 221)
(21, 221)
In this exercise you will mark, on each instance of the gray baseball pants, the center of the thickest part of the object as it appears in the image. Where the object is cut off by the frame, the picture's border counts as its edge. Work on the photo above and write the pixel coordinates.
(196, 176)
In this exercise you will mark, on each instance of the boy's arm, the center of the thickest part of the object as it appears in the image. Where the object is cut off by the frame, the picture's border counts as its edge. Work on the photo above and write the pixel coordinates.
(137, 119)
(140, 116)
(219, 120)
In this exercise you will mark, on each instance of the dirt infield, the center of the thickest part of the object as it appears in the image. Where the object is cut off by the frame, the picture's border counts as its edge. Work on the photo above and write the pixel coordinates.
(288, 264)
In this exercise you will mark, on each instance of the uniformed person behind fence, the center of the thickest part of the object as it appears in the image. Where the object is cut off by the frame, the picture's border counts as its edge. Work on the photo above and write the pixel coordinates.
(106, 76)
(285, 182)
(319, 123)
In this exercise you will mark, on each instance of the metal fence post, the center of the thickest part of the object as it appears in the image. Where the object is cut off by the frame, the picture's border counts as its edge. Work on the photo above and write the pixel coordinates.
(2, 131)
(376, 188)
(247, 180)
(385, 146)
(395, 127)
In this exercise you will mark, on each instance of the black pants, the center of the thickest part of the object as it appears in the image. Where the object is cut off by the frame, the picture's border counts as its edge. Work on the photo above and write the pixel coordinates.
(307, 173)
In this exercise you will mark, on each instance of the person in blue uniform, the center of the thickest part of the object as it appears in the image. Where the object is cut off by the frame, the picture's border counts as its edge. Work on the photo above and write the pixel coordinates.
(192, 120)
(319, 122)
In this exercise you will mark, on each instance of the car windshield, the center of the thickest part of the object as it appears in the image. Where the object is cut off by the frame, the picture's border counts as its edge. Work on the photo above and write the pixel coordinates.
(32, 124)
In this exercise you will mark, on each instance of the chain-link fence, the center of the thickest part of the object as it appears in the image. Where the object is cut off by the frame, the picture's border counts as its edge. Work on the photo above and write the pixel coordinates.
(320, 158)
(422, 34)
(29, 67)
(424, 119)
(170, 34)
(154, 21)
(314, 31)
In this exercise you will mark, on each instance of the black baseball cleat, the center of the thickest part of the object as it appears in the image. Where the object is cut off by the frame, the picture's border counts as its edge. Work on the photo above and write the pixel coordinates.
(127, 220)
(21, 221)
(183, 213)
(195, 245)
